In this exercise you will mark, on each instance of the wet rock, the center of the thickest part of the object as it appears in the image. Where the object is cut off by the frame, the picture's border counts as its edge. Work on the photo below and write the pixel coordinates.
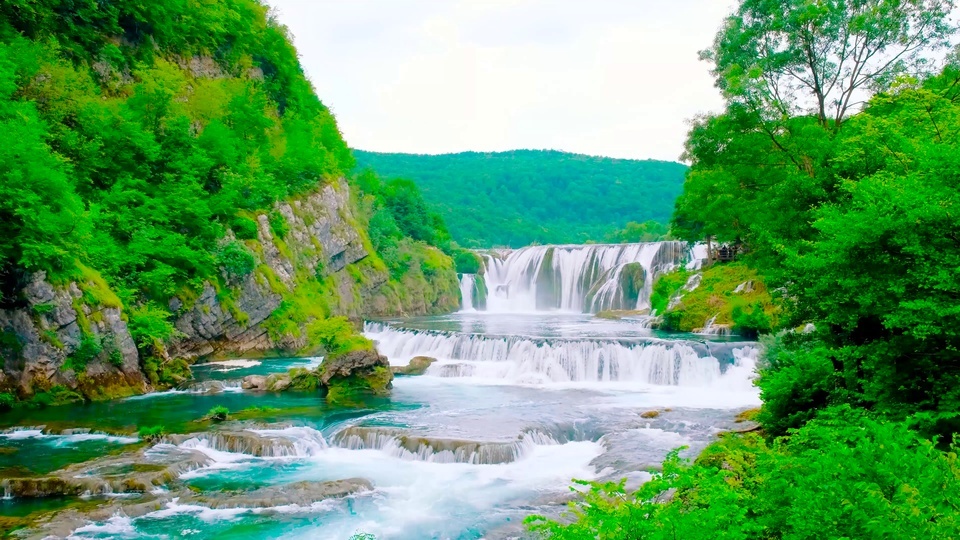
(278, 382)
(650, 414)
(254, 382)
(363, 369)
(418, 366)
(299, 493)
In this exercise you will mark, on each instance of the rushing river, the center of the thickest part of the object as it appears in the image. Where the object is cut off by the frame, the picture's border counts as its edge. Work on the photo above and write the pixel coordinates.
(515, 407)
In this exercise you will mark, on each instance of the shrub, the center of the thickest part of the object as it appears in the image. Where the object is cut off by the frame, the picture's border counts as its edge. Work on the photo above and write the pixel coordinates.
(89, 349)
(236, 260)
(467, 262)
(7, 400)
(150, 326)
(278, 225)
(151, 433)
(336, 335)
(218, 413)
(244, 228)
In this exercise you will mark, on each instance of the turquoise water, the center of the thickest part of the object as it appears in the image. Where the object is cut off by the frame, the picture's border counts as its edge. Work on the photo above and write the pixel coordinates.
(457, 453)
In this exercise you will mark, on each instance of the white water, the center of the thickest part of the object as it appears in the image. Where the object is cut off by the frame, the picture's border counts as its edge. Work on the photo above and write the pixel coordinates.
(467, 282)
(576, 278)
(524, 360)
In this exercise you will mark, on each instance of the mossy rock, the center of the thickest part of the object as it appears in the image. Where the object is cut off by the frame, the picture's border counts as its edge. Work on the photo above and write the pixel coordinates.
(417, 366)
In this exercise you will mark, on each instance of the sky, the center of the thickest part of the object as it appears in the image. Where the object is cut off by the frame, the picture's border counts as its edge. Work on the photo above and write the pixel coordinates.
(617, 78)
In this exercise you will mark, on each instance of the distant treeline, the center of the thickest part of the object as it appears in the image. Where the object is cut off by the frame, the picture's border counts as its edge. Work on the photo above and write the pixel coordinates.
(526, 197)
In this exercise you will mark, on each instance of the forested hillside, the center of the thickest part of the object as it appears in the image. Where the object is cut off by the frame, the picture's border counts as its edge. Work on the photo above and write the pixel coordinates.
(526, 197)
(167, 172)
(850, 215)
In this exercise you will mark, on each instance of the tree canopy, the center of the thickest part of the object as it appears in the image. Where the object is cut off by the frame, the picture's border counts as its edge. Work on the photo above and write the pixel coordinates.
(528, 197)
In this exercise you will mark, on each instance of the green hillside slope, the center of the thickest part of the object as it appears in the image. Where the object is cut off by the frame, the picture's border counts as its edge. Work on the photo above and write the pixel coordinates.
(532, 196)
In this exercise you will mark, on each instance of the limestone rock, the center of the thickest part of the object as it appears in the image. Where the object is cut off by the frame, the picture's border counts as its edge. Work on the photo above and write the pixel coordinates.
(351, 363)
(278, 382)
(254, 382)
(418, 366)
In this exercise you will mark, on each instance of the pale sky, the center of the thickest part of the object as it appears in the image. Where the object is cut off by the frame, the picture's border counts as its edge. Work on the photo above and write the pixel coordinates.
(615, 78)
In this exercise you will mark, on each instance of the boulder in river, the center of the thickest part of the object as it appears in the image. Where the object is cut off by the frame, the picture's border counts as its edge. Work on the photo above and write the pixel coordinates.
(359, 370)
(254, 382)
(418, 366)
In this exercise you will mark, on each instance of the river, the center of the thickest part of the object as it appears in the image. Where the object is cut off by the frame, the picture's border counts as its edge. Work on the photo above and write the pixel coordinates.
(518, 404)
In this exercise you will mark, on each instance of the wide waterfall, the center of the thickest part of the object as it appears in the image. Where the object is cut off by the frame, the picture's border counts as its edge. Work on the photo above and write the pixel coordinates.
(577, 278)
(529, 360)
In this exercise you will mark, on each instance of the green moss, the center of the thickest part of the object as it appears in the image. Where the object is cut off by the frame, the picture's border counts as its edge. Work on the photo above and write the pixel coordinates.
(43, 309)
(10, 344)
(303, 380)
(748, 312)
(274, 282)
(666, 287)
(96, 292)
(229, 304)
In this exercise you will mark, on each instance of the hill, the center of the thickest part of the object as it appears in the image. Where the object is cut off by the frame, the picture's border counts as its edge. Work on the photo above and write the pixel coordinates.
(172, 188)
(524, 197)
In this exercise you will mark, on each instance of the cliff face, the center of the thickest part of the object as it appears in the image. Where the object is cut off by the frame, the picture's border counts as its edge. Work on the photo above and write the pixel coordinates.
(76, 334)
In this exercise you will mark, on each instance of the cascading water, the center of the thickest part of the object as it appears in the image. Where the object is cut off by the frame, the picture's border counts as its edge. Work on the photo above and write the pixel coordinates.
(467, 283)
(531, 360)
(578, 278)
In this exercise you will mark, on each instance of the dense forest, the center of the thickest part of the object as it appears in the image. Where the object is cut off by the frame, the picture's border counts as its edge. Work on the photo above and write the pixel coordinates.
(138, 145)
(528, 197)
(850, 213)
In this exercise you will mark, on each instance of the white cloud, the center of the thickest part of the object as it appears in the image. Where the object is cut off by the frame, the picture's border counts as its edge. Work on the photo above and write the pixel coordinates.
(616, 78)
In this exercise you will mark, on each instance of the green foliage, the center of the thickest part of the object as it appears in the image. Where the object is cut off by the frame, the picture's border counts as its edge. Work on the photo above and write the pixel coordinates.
(7, 401)
(151, 433)
(748, 311)
(666, 287)
(89, 349)
(218, 413)
(43, 309)
(278, 225)
(648, 231)
(466, 262)
(236, 260)
(303, 380)
(150, 327)
(118, 153)
(55, 396)
(843, 475)
(527, 196)
(244, 228)
(337, 336)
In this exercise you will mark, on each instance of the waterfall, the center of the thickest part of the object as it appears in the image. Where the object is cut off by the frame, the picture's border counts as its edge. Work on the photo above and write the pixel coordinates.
(467, 283)
(577, 278)
(533, 360)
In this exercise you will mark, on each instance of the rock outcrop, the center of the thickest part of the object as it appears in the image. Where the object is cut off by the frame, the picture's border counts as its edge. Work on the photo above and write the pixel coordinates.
(75, 336)
(60, 330)
(418, 366)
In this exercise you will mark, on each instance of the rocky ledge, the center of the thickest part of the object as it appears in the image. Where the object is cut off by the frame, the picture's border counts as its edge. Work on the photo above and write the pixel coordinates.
(339, 376)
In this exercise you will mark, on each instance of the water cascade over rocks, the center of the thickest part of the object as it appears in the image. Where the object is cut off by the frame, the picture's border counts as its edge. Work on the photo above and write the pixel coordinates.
(577, 278)
(531, 360)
